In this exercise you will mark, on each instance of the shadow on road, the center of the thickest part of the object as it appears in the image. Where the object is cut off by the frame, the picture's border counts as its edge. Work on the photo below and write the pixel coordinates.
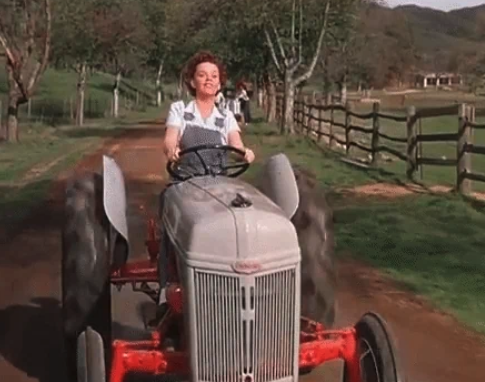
(31, 339)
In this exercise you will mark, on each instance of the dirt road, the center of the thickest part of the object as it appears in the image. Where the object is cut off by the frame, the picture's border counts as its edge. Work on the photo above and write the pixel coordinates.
(434, 347)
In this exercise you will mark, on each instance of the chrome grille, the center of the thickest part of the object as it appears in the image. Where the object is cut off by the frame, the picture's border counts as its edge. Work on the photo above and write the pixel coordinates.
(274, 326)
(245, 326)
(219, 327)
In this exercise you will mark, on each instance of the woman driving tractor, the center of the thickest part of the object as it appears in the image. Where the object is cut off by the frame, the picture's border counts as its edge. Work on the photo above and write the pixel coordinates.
(196, 124)
(200, 121)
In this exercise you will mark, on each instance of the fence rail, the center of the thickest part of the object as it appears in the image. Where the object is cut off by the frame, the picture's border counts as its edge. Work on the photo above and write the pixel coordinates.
(313, 117)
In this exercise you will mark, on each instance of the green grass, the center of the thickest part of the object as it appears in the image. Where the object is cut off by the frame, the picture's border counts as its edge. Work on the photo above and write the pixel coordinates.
(325, 164)
(431, 244)
(55, 97)
(49, 144)
(28, 168)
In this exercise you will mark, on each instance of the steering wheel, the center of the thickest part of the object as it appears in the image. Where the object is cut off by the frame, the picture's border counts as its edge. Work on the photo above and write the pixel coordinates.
(177, 173)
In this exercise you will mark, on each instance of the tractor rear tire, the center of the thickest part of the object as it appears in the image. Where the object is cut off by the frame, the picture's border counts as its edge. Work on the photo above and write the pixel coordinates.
(313, 221)
(86, 288)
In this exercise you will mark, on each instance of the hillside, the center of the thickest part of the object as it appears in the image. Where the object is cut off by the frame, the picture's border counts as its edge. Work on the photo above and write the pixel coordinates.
(434, 31)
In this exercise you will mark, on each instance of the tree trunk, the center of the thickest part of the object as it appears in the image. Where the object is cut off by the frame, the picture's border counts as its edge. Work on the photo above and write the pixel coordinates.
(12, 131)
(271, 101)
(260, 91)
(116, 95)
(12, 119)
(158, 83)
(81, 86)
(287, 125)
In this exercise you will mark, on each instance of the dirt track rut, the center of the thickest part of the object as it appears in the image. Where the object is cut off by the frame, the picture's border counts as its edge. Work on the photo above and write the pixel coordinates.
(434, 347)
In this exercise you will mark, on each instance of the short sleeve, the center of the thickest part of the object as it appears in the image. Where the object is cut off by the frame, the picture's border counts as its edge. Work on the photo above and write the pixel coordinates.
(175, 115)
(231, 123)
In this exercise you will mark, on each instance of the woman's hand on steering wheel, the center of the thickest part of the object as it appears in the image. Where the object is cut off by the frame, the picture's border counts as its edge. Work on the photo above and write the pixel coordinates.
(249, 155)
(173, 155)
(229, 170)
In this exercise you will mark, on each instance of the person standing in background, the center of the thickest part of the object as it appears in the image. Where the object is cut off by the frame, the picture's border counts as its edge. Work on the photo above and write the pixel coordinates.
(243, 99)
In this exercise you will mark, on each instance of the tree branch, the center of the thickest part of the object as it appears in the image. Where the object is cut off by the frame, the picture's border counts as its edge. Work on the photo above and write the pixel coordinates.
(318, 48)
(41, 66)
(12, 62)
(6, 48)
(300, 37)
(293, 37)
(272, 51)
(280, 44)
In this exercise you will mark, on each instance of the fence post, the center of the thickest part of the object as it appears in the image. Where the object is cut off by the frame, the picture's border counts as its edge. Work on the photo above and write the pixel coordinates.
(306, 114)
(313, 112)
(299, 122)
(466, 115)
(375, 134)
(411, 143)
(348, 127)
(321, 116)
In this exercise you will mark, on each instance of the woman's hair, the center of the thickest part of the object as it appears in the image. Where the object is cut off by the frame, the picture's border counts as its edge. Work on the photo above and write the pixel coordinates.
(199, 58)
(241, 85)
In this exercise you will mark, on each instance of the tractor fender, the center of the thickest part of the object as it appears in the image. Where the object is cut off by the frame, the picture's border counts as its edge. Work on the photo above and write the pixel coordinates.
(114, 198)
(277, 181)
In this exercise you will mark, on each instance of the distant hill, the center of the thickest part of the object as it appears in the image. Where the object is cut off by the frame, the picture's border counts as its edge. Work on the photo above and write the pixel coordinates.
(437, 31)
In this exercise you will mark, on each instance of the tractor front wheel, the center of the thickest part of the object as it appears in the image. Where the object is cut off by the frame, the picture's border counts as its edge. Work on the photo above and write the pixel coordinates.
(376, 351)
(90, 357)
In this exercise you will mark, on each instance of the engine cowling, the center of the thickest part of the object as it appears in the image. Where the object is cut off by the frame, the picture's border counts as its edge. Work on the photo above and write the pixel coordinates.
(239, 262)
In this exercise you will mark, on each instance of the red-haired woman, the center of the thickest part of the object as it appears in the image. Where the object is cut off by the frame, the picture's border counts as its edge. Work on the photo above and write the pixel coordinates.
(200, 121)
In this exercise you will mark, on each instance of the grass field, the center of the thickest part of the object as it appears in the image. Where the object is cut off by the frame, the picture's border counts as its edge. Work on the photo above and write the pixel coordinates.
(392, 104)
(49, 144)
(433, 244)
(54, 100)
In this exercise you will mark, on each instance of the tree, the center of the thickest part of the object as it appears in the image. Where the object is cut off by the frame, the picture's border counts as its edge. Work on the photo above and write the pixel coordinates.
(155, 12)
(289, 62)
(122, 39)
(25, 35)
(75, 43)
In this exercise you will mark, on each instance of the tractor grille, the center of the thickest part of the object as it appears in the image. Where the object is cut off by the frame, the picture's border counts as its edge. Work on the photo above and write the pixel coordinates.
(245, 327)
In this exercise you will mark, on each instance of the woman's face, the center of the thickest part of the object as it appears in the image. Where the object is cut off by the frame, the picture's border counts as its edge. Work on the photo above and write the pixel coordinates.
(206, 79)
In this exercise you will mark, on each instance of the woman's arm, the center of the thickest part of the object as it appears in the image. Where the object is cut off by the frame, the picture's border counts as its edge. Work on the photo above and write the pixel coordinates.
(234, 139)
(171, 142)
(174, 129)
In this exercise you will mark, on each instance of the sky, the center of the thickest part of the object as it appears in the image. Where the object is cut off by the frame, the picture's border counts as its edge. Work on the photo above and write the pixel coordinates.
(444, 5)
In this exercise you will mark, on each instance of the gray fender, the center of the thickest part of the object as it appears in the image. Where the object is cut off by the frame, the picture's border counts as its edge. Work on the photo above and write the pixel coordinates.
(114, 197)
(278, 183)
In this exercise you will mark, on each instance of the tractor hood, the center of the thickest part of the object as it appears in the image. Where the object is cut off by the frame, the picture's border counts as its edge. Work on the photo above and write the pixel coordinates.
(226, 221)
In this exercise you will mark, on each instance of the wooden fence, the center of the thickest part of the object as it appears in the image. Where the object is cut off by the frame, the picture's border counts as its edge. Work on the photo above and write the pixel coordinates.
(312, 116)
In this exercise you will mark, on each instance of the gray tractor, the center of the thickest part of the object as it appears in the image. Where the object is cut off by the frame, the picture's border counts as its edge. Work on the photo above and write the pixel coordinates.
(248, 273)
